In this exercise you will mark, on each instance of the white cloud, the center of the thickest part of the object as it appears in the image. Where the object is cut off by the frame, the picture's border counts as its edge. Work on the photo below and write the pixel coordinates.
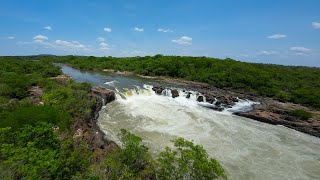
(48, 28)
(40, 39)
(138, 29)
(267, 53)
(132, 52)
(104, 46)
(164, 30)
(185, 40)
(10, 37)
(107, 29)
(277, 36)
(300, 50)
(316, 25)
(101, 39)
(67, 45)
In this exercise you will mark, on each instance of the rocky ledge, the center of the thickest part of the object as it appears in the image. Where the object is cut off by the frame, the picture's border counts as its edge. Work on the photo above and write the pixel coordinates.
(90, 131)
(218, 100)
(268, 111)
(278, 113)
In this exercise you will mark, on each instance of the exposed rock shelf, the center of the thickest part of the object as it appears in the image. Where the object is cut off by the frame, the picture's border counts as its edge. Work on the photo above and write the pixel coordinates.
(268, 111)
(90, 131)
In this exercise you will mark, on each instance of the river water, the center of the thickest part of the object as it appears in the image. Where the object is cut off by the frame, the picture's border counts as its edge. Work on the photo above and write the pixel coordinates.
(247, 149)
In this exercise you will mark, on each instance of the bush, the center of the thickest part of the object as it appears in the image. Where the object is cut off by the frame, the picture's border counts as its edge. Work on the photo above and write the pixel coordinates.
(187, 161)
(130, 161)
(302, 114)
(75, 101)
(35, 152)
(34, 114)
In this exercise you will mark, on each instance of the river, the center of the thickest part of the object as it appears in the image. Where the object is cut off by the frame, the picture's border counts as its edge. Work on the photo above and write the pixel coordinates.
(247, 149)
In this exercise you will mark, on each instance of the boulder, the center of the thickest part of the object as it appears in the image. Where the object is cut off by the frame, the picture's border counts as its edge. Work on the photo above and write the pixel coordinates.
(218, 103)
(103, 93)
(175, 93)
(210, 99)
(217, 108)
(200, 98)
(158, 89)
(225, 100)
(188, 95)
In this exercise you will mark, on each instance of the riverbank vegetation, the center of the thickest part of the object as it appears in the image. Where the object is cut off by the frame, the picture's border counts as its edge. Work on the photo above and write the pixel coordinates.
(285, 83)
(38, 140)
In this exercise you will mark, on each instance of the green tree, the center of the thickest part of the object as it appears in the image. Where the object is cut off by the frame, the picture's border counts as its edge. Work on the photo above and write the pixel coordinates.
(187, 161)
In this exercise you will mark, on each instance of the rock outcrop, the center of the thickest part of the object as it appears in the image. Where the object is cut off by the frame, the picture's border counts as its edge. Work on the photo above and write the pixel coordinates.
(35, 93)
(174, 93)
(90, 131)
(277, 113)
(200, 99)
(158, 89)
(103, 94)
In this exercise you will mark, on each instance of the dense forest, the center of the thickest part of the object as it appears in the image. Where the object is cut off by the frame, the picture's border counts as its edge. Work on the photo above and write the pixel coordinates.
(37, 140)
(285, 83)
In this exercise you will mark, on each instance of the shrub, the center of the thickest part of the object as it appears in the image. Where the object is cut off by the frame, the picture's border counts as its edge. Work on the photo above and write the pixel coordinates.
(187, 161)
(36, 152)
(302, 114)
(75, 101)
(130, 161)
(34, 114)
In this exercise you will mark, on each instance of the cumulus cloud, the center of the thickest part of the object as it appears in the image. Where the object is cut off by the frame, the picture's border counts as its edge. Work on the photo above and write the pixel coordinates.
(164, 30)
(277, 36)
(11, 37)
(107, 29)
(138, 29)
(104, 46)
(316, 25)
(101, 39)
(300, 50)
(267, 53)
(40, 39)
(184, 40)
(49, 28)
(70, 45)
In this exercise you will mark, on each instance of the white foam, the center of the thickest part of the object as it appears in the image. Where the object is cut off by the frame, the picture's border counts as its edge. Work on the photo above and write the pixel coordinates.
(242, 106)
(111, 83)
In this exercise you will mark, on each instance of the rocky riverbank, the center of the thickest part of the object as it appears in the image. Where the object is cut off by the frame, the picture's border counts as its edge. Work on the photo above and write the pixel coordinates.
(90, 131)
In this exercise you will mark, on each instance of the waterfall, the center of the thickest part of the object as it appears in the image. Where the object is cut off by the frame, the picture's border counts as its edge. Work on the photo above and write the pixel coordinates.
(103, 101)
(166, 92)
(184, 97)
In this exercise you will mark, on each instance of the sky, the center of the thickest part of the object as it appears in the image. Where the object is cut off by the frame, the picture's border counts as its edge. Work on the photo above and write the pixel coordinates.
(265, 31)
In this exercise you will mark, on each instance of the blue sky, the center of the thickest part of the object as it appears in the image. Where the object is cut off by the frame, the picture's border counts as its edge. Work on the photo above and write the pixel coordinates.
(280, 32)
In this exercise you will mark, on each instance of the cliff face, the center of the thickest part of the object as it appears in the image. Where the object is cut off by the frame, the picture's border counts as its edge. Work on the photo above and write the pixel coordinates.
(90, 131)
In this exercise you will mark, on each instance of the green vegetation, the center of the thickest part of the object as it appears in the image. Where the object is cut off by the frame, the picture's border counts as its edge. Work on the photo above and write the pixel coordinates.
(35, 152)
(37, 140)
(285, 83)
(33, 114)
(133, 161)
(300, 113)
(187, 161)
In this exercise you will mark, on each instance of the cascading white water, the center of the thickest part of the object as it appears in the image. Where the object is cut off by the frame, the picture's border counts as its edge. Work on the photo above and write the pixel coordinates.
(246, 148)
